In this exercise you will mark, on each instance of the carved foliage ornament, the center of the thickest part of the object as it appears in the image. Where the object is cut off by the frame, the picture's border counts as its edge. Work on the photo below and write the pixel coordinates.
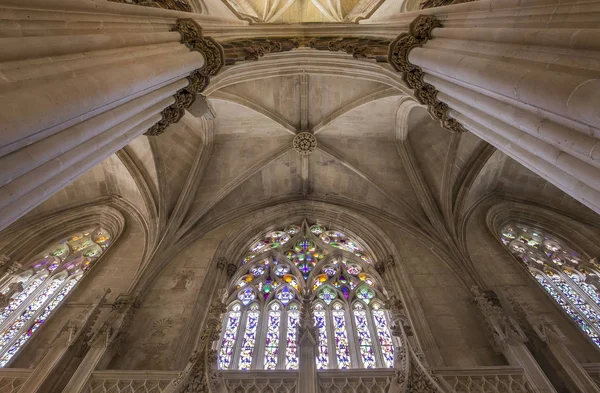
(176, 5)
(304, 143)
(191, 36)
(419, 32)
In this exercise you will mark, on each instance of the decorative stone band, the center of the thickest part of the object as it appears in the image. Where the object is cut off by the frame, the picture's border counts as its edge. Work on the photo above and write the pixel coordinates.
(191, 36)
(419, 32)
(176, 5)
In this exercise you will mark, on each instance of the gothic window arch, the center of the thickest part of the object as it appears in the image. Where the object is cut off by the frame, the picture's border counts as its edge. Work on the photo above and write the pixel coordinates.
(561, 271)
(30, 295)
(265, 296)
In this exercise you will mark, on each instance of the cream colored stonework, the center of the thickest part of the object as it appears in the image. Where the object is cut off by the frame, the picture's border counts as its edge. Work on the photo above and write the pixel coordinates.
(82, 80)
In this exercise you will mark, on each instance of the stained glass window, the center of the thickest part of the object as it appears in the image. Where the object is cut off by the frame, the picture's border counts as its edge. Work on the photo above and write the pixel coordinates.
(291, 351)
(229, 335)
(272, 340)
(364, 336)
(321, 324)
(383, 333)
(249, 338)
(560, 271)
(342, 345)
(330, 267)
(43, 285)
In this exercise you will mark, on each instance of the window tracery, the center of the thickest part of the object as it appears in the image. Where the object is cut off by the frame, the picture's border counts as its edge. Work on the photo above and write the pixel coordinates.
(261, 327)
(562, 273)
(43, 285)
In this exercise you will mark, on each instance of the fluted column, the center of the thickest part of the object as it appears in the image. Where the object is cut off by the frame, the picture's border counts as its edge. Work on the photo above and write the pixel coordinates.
(524, 78)
(76, 86)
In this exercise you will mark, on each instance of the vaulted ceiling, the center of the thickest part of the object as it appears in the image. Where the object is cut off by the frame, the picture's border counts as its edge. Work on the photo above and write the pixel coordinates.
(377, 150)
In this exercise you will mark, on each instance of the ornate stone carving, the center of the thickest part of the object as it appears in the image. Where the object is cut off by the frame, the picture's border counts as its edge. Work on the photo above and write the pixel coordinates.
(254, 48)
(389, 261)
(501, 329)
(380, 267)
(115, 329)
(182, 279)
(533, 325)
(419, 32)
(440, 3)
(191, 36)
(304, 143)
(176, 5)
(199, 375)
(221, 263)
(231, 269)
(306, 325)
(358, 47)
(4, 259)
(13, 267)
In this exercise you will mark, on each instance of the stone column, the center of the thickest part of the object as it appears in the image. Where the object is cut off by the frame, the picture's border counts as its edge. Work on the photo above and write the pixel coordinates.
(507, 338)
(71, 342)
(525, 78)
(76, 86)
(104, 343)
(545, 336)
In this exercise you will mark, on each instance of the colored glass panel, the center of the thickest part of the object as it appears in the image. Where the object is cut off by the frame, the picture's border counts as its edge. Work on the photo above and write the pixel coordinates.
(20, 298)
(272, 339)
(249, 341)
(227, 344)
(583, 324)
(18, 344)
(365, 294)
(385, 338)
(342, 348)
(364, 339)
(327, 295)
(321, 323)
(285, 295)
(246, 296)
(291, 350)
(29, 311)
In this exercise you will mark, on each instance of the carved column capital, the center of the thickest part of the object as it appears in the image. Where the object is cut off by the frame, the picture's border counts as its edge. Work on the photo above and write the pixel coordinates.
(191, 36)
(419, 33)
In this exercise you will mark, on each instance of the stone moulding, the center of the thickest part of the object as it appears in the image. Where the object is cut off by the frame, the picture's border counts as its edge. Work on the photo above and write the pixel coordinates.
(419, 33)
(191, 36)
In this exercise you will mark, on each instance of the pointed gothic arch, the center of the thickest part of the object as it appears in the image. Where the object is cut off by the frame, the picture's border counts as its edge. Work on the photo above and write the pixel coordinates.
(285, 268)
(565, 275)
